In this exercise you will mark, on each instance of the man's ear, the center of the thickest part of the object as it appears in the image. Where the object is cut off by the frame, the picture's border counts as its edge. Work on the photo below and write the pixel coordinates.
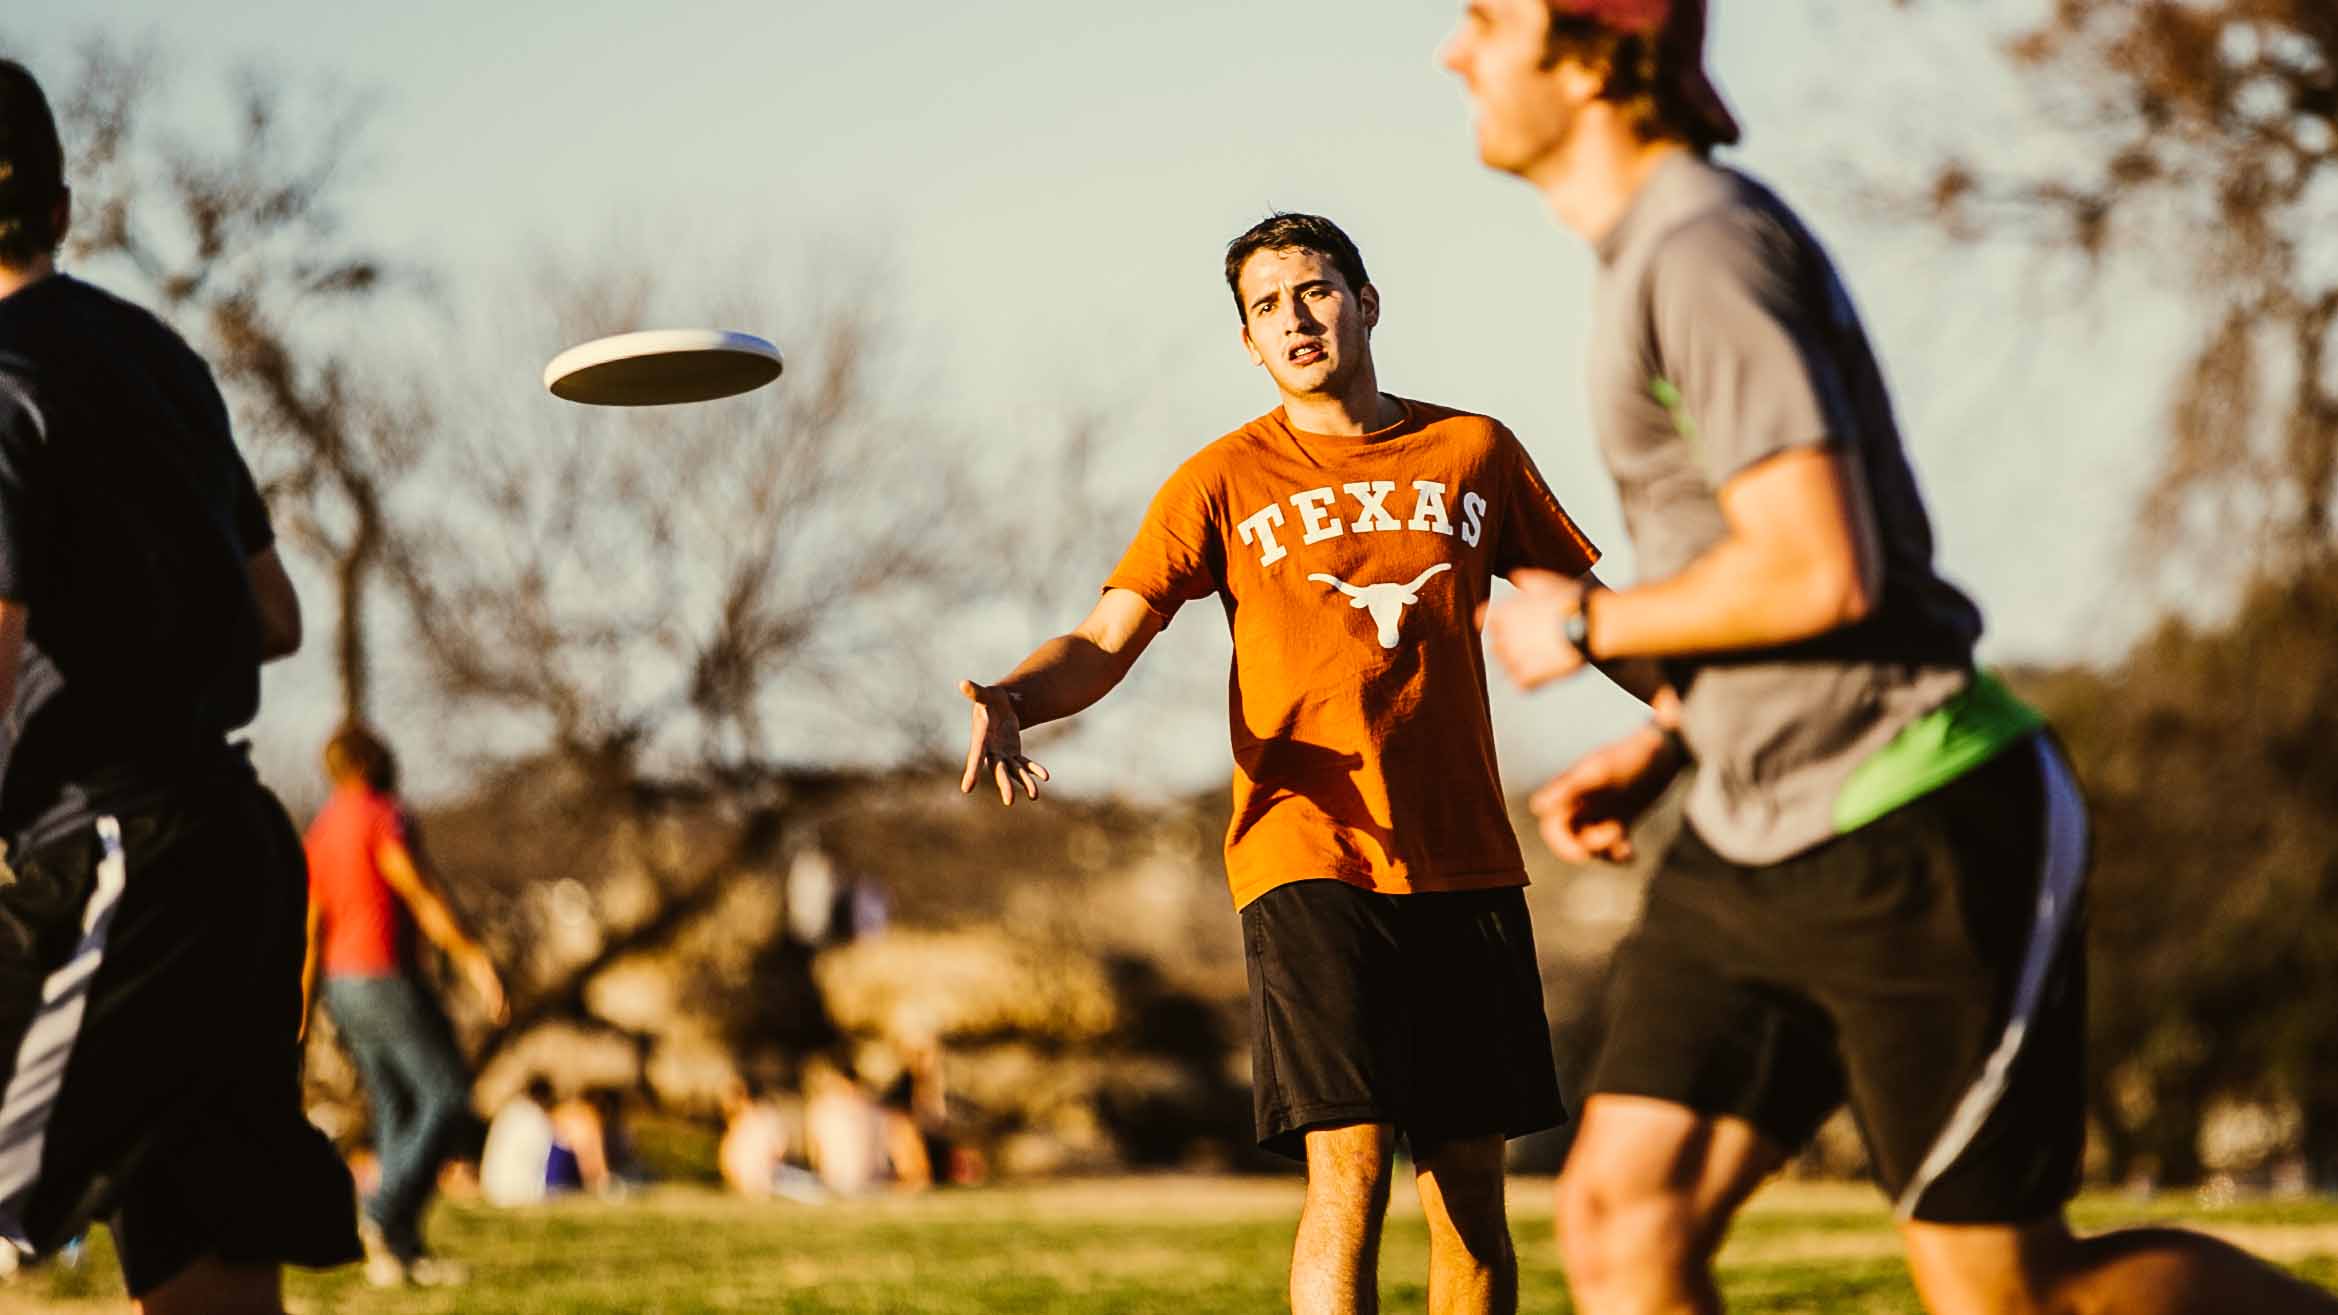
(1369, 298)
(63, 214)
(1587, 83)
(1256, 357)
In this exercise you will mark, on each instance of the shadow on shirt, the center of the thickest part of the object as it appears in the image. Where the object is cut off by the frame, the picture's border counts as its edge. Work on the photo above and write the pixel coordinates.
(1282, 769)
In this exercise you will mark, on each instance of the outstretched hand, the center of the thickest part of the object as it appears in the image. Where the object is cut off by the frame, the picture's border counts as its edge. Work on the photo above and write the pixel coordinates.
(995, 745)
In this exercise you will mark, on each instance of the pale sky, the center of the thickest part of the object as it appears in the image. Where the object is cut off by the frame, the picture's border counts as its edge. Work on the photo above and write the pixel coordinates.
(1049, 185)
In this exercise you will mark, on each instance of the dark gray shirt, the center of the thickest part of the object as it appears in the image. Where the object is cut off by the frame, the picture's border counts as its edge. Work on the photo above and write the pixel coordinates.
(1722, 337)
(127, 521)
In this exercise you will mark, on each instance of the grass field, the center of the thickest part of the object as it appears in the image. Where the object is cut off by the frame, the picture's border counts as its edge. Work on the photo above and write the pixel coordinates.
(1182, 1246)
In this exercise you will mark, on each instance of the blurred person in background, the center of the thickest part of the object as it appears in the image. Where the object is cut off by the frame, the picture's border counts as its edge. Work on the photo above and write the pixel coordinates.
(760, 1143)
(916, 1109)
(1877, 896)
(369, 893)
(152, 897)
(515, 1163)
(844, 1129)
(589, 1152)
(539, 1146)
(754, 1143)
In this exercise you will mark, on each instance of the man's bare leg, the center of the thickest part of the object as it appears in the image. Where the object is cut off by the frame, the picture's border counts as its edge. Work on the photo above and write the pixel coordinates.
(211, 1286)
(1473, 1270)
(1335, 1263)
(1645, 1200)
(1986, 1269)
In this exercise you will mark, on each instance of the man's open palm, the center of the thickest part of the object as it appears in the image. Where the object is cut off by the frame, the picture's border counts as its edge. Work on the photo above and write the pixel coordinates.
(995, 745)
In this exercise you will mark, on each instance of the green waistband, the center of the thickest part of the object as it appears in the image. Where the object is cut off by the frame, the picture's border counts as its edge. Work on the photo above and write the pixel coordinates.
(1934, 749)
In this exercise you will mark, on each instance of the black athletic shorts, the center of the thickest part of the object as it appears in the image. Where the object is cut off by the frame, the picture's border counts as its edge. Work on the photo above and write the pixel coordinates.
(1929, 968)
(149, 1009)
(1421, 1011)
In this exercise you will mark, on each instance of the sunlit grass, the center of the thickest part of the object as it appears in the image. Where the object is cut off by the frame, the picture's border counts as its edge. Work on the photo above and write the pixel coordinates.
(1180, 1246)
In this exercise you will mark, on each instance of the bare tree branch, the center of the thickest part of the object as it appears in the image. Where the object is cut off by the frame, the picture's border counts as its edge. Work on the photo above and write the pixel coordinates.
(241, 246)
(671, 581)
(2210, 136)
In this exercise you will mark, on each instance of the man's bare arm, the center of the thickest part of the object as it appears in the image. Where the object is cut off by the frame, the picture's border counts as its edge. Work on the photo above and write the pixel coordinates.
(1061, 677)
(1801, 558)
(436, 920)
(309, 964)
(1544, 600)
(1642, 678)
(1070, 672)
(279, 605)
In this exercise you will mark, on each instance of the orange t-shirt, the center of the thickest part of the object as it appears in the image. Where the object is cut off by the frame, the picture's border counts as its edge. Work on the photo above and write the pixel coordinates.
(1351, 570)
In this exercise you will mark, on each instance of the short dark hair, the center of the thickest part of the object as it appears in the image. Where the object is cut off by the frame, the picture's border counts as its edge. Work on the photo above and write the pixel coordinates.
(1643, 79)
(32, 168)
(356, 753)
(1283, 231)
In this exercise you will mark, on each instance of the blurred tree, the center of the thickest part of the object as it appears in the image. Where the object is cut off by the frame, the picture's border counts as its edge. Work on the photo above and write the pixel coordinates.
(2210, 763)
(694, 591)
(2204, 138)
(724, 611)
(693, 620)
(240, 246)
(2198, 139)
(649, 608)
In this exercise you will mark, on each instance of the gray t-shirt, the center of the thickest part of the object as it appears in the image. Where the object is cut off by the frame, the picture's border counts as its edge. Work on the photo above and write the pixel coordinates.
(1722, 337)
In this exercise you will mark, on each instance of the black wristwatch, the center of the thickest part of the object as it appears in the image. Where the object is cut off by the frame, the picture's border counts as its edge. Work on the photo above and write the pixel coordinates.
(1577, 626)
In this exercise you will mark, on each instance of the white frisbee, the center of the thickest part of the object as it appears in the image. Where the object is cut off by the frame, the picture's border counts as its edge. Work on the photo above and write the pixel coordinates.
(659, 367)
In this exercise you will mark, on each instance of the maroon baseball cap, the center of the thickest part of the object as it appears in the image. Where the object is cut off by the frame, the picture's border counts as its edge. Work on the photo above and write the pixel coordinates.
(1678, 28)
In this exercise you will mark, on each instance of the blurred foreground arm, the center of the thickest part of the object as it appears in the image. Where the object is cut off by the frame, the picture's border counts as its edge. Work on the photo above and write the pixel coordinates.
(1061, 677)
(1527, 635)
(1642, 678)
(1587, 811)
(1800, 560)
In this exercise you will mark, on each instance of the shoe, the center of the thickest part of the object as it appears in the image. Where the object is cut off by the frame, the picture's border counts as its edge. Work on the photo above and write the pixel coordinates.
(432, 1272)
(383, 1268)
(386, 1272)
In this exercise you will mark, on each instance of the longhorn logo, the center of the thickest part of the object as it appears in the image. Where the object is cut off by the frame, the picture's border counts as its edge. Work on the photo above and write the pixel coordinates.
(1386, 602)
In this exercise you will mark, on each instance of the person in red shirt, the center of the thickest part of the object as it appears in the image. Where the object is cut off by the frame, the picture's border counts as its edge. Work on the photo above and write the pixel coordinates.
(368, 895)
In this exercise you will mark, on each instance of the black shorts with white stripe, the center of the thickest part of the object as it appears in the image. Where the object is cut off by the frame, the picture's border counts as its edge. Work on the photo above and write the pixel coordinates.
(149, 1013)
(1928, 968)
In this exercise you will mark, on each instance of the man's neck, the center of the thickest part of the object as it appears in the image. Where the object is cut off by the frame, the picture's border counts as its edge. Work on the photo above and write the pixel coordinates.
(1350, 413)
(1592, 181)
(16, 278)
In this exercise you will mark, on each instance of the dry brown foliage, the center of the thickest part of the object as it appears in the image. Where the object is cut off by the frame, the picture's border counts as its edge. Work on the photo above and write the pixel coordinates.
(240, 245)
(2208, 140)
